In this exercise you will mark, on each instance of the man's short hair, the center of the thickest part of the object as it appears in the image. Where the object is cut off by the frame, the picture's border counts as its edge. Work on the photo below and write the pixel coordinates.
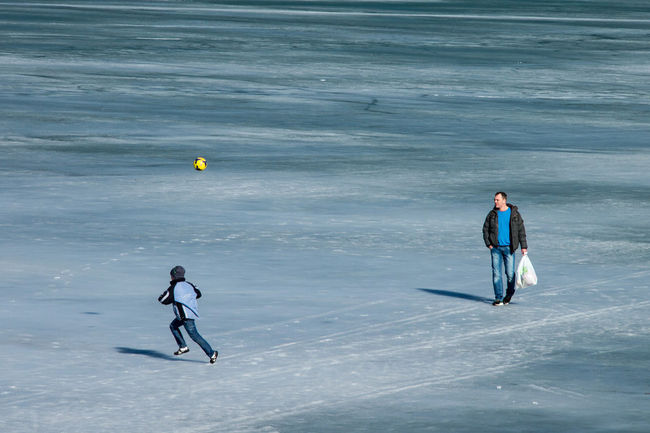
(503, 194)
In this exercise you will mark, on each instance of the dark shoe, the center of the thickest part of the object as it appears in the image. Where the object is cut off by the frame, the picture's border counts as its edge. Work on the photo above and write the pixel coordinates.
(213, 358)
(506, 300)
(181, 351)
(497, 302)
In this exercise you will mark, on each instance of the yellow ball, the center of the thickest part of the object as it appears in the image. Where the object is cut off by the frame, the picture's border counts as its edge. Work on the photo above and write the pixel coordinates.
(200, 164)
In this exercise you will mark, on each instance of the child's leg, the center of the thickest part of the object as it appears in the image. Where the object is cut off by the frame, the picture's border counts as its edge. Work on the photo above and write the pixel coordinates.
(176, 323)
(190, 327)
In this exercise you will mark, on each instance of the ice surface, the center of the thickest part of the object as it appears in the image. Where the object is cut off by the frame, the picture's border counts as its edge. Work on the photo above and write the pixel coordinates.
(353, 152)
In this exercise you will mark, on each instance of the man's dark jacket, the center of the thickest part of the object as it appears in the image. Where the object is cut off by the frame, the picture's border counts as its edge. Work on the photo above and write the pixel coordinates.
(517, 229)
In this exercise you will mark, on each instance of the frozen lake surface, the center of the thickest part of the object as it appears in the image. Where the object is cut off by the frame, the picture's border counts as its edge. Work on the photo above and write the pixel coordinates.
(353, 151)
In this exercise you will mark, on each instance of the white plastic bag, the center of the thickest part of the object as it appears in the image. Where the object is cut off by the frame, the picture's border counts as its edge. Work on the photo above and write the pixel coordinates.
(525, 275)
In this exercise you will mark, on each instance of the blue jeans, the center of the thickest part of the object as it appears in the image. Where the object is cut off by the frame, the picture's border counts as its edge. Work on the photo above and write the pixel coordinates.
(190, 327)
(501, 256)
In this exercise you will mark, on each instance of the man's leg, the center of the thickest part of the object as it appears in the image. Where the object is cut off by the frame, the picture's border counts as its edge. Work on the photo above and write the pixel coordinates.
(176, 323)
(190, 327)
(497, 260)
(510, 275)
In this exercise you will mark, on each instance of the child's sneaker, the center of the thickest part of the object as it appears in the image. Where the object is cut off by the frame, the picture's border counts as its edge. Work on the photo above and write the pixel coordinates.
(182, 350)
(506, 300)
(497, 302)
(213, 358)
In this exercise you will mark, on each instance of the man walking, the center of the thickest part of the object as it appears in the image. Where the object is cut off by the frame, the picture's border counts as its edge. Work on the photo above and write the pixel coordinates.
(183, 295)
(503, 232)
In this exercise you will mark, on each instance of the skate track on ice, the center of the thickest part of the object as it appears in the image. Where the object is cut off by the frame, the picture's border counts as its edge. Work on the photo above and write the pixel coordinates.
(443, 378)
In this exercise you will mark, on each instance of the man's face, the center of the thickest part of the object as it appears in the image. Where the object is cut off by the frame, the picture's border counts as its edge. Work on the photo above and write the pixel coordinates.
(499, 202)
